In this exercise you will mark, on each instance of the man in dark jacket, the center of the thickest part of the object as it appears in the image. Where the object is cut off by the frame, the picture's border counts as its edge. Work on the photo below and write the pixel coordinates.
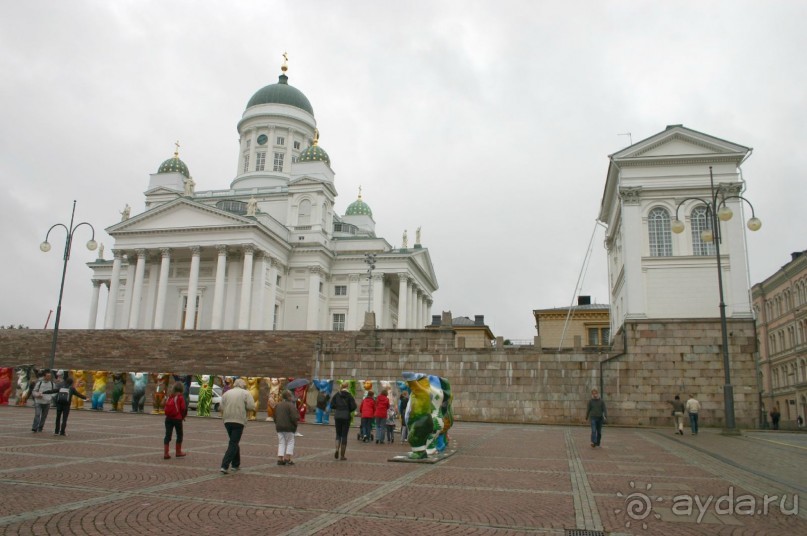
(597, 415)
(343, 405)
(64, 394)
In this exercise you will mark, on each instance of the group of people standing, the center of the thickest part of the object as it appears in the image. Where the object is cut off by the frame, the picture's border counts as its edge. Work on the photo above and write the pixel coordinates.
(44, 391)
(380, 412)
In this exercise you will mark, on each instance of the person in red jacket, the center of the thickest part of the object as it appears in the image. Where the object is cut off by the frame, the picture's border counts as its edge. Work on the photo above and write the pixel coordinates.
(381, 407)
(367, 410)
(175, 413)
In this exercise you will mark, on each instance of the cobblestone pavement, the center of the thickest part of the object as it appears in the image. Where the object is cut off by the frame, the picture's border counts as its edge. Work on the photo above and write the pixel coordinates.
(107, 476)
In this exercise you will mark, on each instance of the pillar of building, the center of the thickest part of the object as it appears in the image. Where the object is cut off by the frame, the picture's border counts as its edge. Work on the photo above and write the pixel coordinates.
(137, 289)
(246, 288)
(412, 306)
(353, 313)
(633, 246)
(273, 268)
(127, 293)
(259, 292)
(96, 293)
(114, 285)
(314, 279)
(378, 297)
(403, 298)
(162, 288)
(234, 268)
(193, 288)
(218, 288)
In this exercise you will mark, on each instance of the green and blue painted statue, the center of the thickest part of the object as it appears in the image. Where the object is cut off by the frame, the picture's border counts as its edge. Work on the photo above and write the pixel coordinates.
(428, 414)
(205, 395)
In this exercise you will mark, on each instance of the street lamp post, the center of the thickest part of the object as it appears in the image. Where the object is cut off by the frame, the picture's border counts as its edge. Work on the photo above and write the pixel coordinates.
(717, 211)
(369, 258)
(45, 247)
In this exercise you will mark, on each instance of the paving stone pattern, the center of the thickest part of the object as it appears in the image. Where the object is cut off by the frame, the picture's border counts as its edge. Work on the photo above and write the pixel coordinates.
(107, 476)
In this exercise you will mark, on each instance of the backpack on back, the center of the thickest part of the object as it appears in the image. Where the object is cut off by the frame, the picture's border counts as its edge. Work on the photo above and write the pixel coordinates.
(63, 396)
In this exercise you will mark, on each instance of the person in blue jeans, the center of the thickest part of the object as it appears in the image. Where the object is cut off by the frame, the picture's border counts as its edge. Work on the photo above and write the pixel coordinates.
(596, 414)
(693, 407)
(235, 404)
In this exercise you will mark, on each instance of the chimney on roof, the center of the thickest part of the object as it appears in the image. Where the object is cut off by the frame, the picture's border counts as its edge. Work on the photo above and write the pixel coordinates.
(435, 320)
(795, 255)
(479, 320)
(584, 300)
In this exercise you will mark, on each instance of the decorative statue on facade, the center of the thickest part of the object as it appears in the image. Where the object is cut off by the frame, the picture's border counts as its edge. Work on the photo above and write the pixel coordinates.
(101, 251)
(428, 415)
(205, 399)
(404, 241)
(274, 397)
(80, 380)
(23, 383)
(189, 185)
(417, 236)
(254, 388)
(124, 214)
(6, 378)
(99, 381)
(161, 381)
(118, 386)
(252, 206)
(325, 389)
(139, 382)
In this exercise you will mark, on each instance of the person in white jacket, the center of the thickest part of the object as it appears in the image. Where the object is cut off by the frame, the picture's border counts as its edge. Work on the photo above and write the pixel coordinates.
(235, 404)
(42, 400)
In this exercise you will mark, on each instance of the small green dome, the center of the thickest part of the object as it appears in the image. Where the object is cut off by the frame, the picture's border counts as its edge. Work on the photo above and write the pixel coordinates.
(174, 165)
(281, 93)
(314, 153)
(359, 208)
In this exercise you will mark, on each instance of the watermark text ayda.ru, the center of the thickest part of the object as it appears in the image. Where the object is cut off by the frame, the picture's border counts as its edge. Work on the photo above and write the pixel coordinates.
(728, 504)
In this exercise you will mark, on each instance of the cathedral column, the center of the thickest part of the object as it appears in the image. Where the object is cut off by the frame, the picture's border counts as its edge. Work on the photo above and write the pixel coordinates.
(96, 292)
(259, 298)
(289, 154)
(162, 288)
(424, 315)
(114, 284)
(403, 296)
(193, 288)
(218, 289)
(314, 280)
(353, 302)
(137, 289)
(273, 264)
(230, 320)
(246, 288)
(413, 305)
(633, 233)
(378, 298)
(429, 310)
(127, 292)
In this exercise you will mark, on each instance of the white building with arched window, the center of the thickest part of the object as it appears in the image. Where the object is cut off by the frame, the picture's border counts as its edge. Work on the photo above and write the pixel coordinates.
(653, 272)
(266, 252)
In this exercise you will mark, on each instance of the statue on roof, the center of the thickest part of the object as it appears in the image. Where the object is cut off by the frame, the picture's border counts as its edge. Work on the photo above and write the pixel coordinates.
(101, 251)
(124, 214)
(189, 184)
(404, 241)
(252, 206)
(417, 236)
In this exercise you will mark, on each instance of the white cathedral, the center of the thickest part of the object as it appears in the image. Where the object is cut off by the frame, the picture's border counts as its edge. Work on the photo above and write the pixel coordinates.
(267, 253)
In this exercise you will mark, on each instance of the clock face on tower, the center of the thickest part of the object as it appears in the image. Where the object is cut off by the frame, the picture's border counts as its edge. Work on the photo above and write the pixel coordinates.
(262, 139)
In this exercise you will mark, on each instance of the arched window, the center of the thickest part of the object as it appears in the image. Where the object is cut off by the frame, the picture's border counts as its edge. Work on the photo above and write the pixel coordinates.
(700, 221)
(658, 228)
(304, 214)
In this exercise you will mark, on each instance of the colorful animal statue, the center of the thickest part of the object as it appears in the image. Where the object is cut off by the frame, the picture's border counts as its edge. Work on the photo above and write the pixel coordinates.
(324, 388)
(301, 395)
(254, 388)
(23, 383)
(118, 387)
(161, 381)
(80, 380)
(205, 395)
(139, 382)
(226, 383)
(99, 381)
(428, 415)
(273, 399)
(6, 376)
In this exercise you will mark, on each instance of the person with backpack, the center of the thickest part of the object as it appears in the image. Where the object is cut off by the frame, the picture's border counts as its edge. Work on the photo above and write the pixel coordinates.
(64, 394)
(175, 412)
(42, 395)
(343, 405)
(381, 407)
(391, 416)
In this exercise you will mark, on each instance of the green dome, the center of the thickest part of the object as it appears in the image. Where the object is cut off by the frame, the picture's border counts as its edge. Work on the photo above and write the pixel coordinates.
(314, 153)
(174, 165)
(359, 208)
(281, 93)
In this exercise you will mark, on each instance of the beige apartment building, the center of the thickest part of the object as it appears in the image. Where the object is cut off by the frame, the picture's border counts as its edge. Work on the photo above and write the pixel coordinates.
(780, 303)
(559, 326)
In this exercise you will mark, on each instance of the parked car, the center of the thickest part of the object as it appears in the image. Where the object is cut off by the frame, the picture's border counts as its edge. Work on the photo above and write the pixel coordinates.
(193, 397)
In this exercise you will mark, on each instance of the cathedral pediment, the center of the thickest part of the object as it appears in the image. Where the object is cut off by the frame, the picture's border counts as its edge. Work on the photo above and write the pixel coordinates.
(180, 214)
(679, 144)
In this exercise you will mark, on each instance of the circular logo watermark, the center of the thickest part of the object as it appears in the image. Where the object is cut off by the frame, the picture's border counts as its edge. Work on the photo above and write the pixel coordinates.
(638, 505)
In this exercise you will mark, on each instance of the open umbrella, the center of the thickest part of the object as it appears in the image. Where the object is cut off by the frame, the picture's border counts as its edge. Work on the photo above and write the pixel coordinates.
(294, 384)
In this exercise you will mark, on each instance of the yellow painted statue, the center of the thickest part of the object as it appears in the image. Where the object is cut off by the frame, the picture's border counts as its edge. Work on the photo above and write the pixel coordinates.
(161, 381)
(80, 380)
(99, 382)
(254, 388)
(274, 397)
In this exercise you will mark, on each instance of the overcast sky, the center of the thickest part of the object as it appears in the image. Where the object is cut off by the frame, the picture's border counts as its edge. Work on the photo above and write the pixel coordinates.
(488, 124)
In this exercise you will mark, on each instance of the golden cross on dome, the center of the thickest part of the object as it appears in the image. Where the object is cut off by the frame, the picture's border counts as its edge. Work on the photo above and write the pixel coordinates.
(285, 66)
(359, 191)
(176, 151)
(316, 137)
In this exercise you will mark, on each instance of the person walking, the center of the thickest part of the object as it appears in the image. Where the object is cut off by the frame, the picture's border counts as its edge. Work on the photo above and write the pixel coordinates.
(693, 407)
(392, 414)
(42, 398)
(596, 414)
(403, 402)
(367, 410)
(381, 407)
(63, 395)
(343, 405)
(175, 412)
(678, 414)
(235, 404)
(286, 418)
(775, 416)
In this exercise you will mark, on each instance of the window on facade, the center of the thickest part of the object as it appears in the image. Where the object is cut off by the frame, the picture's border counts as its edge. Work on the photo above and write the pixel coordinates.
(260, 161)
(658, 225)
(320, 287)
(340, 290)
(593, 337)
(304, 213)
(281, 140)
(278, 281)
(278, 163)
(296, 144)
(339, 322)
(246, 162)
(606, 336)
(701, 221)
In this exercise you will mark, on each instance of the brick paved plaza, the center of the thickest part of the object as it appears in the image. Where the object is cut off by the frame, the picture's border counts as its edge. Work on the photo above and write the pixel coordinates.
(107, 476)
